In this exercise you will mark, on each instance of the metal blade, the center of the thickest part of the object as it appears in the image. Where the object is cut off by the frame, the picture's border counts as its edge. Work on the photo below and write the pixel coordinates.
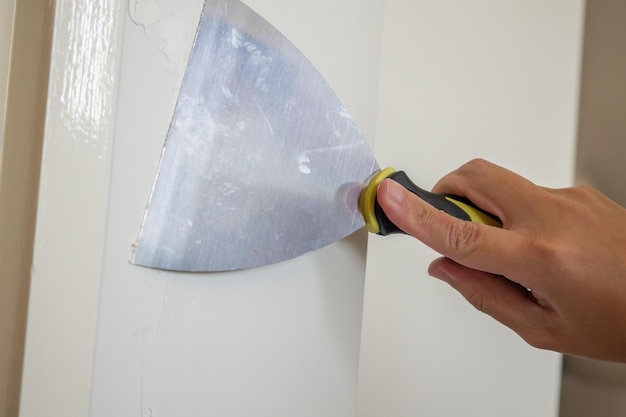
(262, 162)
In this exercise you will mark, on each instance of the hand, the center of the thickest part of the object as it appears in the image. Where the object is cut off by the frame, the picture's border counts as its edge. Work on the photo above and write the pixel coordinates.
(555, 272)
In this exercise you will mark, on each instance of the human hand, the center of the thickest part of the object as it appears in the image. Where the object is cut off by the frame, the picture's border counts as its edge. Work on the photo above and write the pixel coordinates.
(555, 273)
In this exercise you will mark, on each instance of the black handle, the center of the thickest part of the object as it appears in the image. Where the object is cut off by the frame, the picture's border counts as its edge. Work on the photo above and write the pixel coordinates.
(456, 206)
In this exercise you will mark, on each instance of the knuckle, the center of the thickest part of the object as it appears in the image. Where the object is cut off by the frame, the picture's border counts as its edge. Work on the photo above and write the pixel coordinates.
(476, 299)
(535, 339)
(479, 162)
(585, 190)
(559, 256)
(464, 237)
(475, 165)
(540, 338)
(580, 203)
(543, 333)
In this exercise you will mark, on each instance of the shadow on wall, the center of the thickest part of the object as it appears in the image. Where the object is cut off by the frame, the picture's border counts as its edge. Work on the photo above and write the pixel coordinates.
(594, 388)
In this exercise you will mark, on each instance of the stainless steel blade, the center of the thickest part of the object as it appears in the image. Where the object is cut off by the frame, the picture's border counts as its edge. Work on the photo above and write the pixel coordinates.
(262, 162)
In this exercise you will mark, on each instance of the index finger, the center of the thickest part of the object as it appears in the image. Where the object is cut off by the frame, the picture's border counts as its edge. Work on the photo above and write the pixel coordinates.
(478, 246)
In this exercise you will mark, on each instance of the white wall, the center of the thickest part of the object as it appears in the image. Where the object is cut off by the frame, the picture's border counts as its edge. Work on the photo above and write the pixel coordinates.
(108, 338)
(458, 80)
(491, 79)
(276, 341)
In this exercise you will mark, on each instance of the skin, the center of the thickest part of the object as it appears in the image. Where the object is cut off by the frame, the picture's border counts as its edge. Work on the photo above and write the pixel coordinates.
(555, 273)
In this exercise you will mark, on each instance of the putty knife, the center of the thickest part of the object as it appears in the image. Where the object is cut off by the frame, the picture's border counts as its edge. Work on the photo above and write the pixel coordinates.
(262, 161)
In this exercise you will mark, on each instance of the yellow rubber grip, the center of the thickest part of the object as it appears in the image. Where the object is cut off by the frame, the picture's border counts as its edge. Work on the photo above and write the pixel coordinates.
(475, 215)
(368, 198)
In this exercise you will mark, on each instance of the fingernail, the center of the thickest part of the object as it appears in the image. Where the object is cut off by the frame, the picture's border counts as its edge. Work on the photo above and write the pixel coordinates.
(393, 192)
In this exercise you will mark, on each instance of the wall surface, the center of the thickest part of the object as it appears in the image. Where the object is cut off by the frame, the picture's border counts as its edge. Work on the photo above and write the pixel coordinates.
(281, 340)
(108, 338)
(459, 80)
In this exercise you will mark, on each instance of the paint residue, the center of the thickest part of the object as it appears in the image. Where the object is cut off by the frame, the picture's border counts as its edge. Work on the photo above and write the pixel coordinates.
(303, 160)
(164, 29)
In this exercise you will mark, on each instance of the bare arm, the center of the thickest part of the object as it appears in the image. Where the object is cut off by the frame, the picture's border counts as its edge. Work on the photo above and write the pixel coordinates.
(555, 273)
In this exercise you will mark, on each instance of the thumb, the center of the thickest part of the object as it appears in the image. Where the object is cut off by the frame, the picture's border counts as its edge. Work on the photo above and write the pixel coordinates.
(475, 245)
(506, 301)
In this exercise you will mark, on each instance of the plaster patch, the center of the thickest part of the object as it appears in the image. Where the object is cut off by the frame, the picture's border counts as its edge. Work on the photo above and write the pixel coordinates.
(165, 29)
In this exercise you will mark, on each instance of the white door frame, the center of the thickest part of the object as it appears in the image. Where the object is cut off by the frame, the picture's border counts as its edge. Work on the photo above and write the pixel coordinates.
(67, 261)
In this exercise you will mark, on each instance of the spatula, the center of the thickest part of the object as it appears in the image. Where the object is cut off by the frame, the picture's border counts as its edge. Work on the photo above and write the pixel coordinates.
(262, 161)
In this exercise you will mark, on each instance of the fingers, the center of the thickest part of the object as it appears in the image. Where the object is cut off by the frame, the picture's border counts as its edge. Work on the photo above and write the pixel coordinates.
(504, 300)
(491, 188)
(474, 245)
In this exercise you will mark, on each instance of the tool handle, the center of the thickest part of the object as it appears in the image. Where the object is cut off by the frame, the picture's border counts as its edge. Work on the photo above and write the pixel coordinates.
(456, 206)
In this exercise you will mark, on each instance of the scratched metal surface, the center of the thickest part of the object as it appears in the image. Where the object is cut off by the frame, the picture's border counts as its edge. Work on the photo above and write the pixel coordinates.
(262, 162)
